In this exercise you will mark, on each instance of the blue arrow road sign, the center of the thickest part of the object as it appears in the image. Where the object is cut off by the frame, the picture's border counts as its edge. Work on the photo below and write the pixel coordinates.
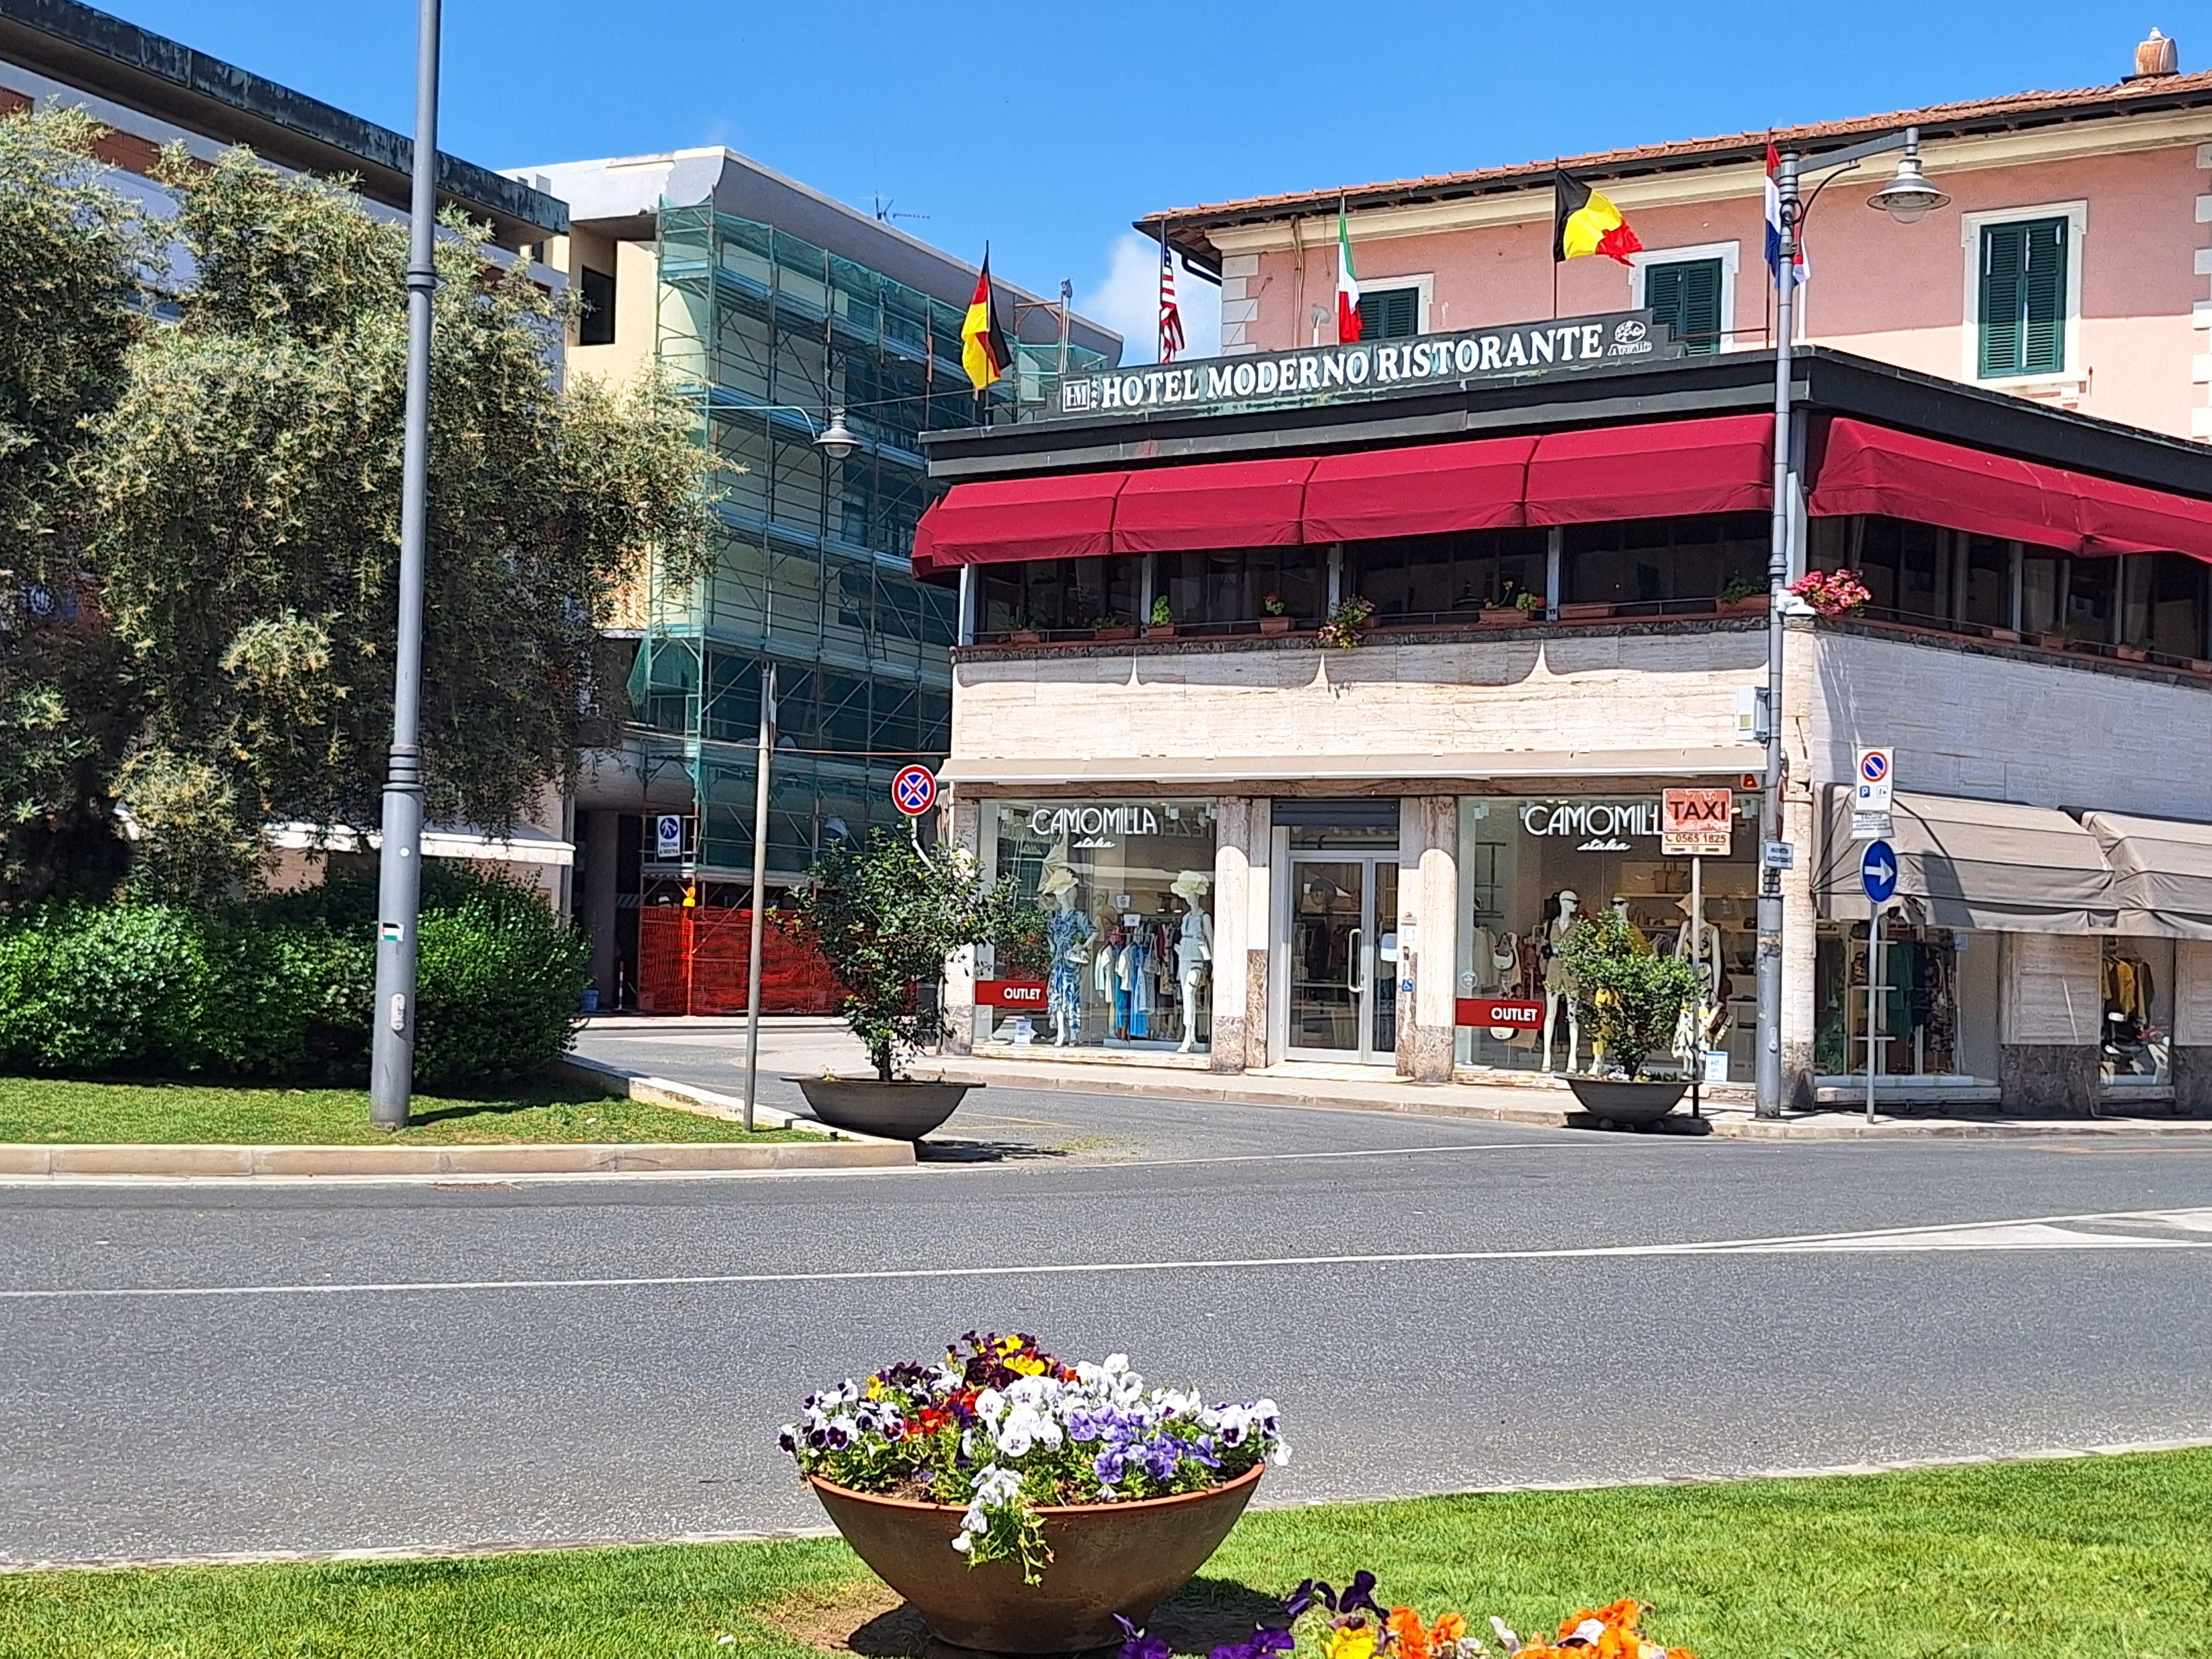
(1878, 872)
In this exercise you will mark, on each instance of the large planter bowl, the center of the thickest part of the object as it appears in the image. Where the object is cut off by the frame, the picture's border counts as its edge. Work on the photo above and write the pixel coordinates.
(1106, 1559)
(899, 1110)
(1627, 1103)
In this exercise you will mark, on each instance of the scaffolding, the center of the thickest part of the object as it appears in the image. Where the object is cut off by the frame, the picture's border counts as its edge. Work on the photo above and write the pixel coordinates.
(764, 332)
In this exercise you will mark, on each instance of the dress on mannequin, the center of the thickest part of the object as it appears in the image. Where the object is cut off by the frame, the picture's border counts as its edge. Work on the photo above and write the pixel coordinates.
(1559, 983)
(1069, 932)
(1194, 950)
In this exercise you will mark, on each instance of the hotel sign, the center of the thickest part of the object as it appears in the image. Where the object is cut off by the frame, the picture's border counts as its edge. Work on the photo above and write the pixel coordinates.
(1334, 373)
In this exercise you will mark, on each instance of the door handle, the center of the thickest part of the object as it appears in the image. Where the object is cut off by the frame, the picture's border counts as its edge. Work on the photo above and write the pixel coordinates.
(1356, 969)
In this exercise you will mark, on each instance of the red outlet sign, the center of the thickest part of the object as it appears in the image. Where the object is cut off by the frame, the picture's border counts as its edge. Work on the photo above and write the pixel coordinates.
(1009, 993)
(1520, 1013)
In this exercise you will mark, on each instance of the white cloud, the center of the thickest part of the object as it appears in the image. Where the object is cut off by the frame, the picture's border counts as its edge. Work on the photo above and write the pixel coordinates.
(1129, 301)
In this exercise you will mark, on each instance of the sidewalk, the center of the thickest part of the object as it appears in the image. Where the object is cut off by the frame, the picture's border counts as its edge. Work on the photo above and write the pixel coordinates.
(1539, 1102)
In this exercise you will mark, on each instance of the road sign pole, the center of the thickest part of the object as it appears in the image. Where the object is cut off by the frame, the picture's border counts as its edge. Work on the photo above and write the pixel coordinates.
(760, 883)
(1873, 1003)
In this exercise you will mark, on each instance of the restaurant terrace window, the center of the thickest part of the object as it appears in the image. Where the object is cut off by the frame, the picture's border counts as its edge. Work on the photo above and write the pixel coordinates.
(1650, 565)
(1412, 579)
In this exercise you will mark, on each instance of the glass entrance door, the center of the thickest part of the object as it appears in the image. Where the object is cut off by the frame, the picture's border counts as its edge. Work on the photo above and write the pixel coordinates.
(1343, 995)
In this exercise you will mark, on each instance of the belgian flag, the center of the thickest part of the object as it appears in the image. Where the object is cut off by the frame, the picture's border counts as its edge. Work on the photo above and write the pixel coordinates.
(983, 351)
(1585, 222)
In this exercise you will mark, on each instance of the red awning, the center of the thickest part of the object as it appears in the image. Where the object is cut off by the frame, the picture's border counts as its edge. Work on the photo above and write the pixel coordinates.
(1871, 468)
(1187, 509)
(2119, 518)
(1423, 491)
(1002, 520)
(1663, 470)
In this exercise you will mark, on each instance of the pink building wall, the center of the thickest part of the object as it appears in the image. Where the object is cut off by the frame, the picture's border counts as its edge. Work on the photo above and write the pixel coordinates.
(1893, 292)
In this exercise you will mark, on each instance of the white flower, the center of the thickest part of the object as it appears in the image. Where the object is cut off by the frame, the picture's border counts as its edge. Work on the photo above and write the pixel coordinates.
(961, 1542)
(1506, 1638)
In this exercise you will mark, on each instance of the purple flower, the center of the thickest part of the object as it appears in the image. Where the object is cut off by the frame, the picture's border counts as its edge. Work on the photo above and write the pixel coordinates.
(1259, 1643)
(1139, 1645)
(1360, 1593)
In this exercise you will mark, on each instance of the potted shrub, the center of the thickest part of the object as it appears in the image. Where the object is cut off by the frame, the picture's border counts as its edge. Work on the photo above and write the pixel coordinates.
(1348, 623)
(1741, 597)
(1023, 1504)
(1515, 612)
(1111, 627)
(1275, 615)
(886, 915)
(1832, 592)
(1021, 629)
(1631, 998)
(2139, 652)
(1162, 626)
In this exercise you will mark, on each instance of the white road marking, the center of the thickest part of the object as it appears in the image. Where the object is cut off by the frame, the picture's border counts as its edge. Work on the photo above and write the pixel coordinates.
(2033, 1233)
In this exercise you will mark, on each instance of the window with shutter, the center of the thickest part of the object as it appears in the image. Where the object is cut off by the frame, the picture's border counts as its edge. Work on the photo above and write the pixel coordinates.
(1686, 295)
(2023, 298)
(1390, 313)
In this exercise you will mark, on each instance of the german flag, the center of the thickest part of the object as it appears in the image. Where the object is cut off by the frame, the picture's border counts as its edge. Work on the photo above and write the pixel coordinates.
(983, 351)
(1584, 222)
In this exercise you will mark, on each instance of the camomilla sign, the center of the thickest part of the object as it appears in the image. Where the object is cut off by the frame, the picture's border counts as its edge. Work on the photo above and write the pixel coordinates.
(1326, 373)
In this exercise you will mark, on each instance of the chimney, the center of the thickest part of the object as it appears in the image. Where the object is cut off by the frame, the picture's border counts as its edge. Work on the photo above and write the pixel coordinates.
(2157, 57)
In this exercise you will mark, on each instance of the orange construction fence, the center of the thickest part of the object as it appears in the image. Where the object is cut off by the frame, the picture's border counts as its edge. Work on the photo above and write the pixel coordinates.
(694, 961)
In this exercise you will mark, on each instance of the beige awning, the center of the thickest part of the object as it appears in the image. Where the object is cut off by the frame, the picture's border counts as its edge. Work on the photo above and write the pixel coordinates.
(1985, 866)
(2162, 872)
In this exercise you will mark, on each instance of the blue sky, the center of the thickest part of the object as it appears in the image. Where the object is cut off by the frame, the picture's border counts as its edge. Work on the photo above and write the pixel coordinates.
(1048, 128)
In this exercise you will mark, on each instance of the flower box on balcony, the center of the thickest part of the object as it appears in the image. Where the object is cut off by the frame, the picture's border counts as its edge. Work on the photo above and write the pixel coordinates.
(1115, 631)
(1159, 631)
(1502, 616)
(1275, 624)
(1585, 611)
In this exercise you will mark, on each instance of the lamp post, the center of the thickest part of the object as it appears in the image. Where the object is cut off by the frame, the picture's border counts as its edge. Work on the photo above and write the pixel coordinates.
(1908, 197)
(399, 886)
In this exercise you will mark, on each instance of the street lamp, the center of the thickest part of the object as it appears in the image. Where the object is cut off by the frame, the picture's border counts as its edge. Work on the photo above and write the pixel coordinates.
(399, 870)
(836, 440)
(1908, 197)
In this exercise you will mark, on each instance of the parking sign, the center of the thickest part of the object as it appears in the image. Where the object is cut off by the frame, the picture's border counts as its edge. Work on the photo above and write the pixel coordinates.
(1871, 785)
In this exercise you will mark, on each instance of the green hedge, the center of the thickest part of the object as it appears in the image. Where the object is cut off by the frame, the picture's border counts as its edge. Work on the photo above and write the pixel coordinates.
(280, 989)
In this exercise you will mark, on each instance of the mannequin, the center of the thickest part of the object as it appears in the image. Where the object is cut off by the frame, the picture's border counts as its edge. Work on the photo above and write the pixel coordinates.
(1194, 950)
(1069, 932)
(1699, 942)
(1559, 984)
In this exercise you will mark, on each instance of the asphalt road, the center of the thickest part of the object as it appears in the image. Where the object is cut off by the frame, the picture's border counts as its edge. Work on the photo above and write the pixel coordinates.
(201, 1369)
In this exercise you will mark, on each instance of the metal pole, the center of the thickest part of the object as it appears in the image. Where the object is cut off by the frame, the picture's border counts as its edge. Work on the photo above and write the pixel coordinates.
(760, 882)
(1698, 961)
(1873, 1003)
(1769, 1066)
(399, 887)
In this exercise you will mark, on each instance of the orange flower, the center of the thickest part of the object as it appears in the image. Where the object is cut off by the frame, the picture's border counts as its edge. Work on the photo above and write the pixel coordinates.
(1412, 1641)
(1448, 1630)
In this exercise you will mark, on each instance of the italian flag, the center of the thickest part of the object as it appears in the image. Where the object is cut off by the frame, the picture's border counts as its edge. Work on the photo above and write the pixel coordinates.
(1347, 284)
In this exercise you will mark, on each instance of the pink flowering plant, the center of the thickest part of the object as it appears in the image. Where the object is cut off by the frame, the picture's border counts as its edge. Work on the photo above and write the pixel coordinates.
(1005, 1429)
(1832, 592)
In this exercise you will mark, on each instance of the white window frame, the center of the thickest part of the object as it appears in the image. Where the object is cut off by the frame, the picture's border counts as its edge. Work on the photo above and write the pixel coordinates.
(1425, 282)
(1729, 253)
(1971, 225)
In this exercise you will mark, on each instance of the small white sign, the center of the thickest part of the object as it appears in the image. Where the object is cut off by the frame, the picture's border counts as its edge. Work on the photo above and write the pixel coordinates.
(1779, 855)
(1716, 1065)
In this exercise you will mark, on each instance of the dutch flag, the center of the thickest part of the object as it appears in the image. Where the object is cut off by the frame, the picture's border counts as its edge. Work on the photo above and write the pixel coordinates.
(1774, 224)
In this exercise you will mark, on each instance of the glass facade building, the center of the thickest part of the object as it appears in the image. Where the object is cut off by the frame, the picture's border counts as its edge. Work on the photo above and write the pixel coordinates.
(763, 331)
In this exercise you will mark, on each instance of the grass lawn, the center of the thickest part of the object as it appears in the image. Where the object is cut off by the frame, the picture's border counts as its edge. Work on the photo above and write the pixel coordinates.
(43, 1109)
(2090, 1558)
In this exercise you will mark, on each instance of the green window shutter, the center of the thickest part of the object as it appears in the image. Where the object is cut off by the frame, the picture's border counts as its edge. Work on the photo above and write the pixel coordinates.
(2023, 298)
(1686, 295)
(1390, 313)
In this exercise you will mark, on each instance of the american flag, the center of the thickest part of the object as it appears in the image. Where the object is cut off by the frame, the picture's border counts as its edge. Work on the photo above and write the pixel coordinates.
(1171, 339)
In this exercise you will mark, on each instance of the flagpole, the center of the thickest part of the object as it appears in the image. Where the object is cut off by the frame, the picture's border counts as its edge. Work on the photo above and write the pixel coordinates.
(1160, 321)
(1554, 249)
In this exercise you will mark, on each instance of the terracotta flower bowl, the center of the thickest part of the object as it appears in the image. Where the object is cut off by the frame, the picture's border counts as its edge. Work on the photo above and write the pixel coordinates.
(1106, 1559)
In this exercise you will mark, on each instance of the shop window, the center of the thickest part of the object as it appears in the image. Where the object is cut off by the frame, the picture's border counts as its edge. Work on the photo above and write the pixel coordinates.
(2023, 297)
(597, 324)
(2136, 1049)
(2165, 607)
(1654, 565)
(1445, 578)
(1687, 296)
(1923, 1001)
(1389, 313)
(1530, 865)
(1122, 955)
(1057, 595)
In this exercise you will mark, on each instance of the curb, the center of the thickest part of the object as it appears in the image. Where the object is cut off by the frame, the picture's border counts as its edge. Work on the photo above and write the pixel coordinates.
(1433, 1100)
